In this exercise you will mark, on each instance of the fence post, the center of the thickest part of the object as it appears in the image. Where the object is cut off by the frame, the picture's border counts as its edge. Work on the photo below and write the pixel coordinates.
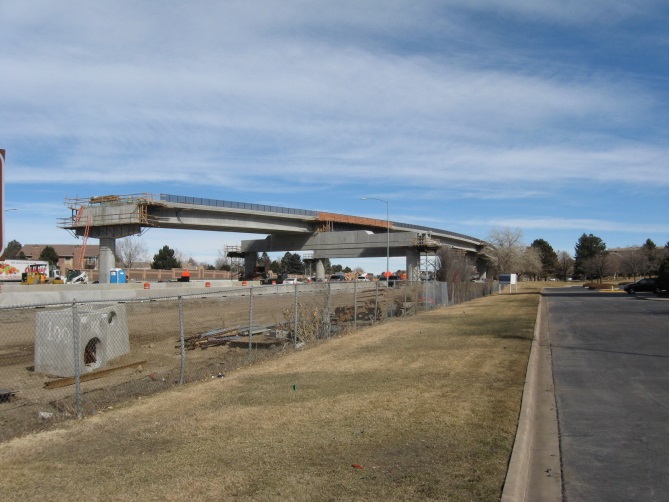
(329, 316)
(355, 305)
(295, 319)
(376, 303)
(404, 306)
(392, 300)
(251, 324)
(77, 366)
(182, 342)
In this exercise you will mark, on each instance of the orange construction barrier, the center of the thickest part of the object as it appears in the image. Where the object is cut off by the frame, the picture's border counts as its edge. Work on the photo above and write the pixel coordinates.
(147, 285)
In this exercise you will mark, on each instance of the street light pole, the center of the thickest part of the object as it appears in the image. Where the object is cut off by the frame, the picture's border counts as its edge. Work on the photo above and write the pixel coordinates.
(387, 231)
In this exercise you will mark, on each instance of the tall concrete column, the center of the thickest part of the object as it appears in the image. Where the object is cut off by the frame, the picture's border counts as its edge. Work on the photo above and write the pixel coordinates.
(320, 270)
(107, 259)
(413, 265)
(250, 263)
(482, 269)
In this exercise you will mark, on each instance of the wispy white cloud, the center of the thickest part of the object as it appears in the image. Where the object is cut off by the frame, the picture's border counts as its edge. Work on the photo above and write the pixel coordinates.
(579, 224)
(312, 104)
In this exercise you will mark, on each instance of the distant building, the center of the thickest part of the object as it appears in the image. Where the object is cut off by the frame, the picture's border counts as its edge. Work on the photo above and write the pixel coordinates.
(68, 255)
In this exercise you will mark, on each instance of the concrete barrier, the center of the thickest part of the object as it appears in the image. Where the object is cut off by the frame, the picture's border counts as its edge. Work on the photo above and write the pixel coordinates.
(41, 294)
(534, 471)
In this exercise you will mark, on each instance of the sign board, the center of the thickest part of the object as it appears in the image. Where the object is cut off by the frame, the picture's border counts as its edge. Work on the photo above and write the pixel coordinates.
(510, 279)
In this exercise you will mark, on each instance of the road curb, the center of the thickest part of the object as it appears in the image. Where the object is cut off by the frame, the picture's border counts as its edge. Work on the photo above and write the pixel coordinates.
(534, 471)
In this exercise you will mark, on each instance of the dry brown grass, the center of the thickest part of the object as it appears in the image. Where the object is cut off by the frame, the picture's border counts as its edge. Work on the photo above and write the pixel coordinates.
(428, 405)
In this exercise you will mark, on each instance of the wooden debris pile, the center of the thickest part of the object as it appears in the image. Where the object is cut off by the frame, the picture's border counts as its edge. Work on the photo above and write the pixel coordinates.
(212, 338)
(226, 336)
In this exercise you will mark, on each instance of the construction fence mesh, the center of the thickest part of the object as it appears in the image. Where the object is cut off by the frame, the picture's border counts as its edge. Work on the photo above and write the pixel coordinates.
(61, 361)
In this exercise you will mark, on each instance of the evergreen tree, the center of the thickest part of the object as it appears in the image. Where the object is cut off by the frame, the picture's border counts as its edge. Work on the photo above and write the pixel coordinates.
(291, 263)
(653, 256)
(590, 254)
(49, 254)
(165, 259)
(549, 258)
(13, 251)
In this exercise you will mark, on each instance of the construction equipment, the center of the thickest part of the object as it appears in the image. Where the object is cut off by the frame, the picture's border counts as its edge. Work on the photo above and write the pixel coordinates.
(76, 276)
(33, 274)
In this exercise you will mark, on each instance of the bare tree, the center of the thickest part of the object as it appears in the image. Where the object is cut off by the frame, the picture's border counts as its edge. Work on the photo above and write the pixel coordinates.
(453, 265)
(633, 262)
(222, 261)
(130, 251)
(530, 262)
(565, 265)
(506, 249)
(597, 266)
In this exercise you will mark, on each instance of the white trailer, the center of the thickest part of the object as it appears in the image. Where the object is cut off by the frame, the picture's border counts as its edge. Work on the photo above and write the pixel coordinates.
(11, 270)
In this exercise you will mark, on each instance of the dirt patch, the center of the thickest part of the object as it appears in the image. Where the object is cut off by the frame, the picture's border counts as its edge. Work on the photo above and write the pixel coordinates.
(154, 361)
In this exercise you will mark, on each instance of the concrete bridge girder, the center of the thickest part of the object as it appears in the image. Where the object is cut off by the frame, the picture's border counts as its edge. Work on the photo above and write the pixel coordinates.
(111, 217)
(349, 244)
(229, 220)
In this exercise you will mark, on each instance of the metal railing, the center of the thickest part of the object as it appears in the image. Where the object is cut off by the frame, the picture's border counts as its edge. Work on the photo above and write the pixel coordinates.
(70, 360)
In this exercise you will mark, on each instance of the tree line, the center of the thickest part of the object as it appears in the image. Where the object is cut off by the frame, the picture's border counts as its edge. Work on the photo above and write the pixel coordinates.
(506, 253)
(591, 260)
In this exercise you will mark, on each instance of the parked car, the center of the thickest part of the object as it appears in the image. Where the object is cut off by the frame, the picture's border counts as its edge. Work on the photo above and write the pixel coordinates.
(363, 278)
(292, 280)
(647, 284)
(337, 278)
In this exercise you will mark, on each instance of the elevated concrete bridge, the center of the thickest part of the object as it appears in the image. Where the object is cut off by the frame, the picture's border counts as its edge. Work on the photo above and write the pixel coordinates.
(326, 235)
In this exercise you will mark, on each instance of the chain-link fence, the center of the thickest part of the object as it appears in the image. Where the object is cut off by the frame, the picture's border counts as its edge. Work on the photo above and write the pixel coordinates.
(70, 360)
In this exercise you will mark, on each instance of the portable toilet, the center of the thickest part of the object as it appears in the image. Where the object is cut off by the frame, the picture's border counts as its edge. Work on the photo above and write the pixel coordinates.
(117, 276)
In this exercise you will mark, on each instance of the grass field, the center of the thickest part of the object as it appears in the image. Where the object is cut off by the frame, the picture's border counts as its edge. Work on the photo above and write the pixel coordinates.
(420, 408)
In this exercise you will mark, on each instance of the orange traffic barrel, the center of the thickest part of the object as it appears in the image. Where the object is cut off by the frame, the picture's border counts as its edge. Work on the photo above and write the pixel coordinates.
(207, 284)
(147, 285)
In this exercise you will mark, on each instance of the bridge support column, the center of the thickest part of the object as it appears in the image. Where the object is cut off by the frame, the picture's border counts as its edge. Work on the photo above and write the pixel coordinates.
(320, 270)
(413, 265)
(482, 268)
(250, 263)
(107, 259)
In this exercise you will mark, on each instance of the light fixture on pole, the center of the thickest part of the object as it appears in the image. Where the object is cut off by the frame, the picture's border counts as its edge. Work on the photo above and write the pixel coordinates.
(387, 231)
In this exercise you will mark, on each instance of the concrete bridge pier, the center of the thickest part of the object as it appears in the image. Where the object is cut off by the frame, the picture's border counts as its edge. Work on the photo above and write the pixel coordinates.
(413, 265)
(320, 270)
(107, 260)
(482, 268)
(250, 264)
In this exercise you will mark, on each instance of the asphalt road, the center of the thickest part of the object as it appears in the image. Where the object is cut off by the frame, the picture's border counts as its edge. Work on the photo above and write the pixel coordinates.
(611, 373)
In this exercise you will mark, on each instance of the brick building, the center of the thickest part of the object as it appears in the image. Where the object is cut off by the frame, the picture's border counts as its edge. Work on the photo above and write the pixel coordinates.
(68, 255)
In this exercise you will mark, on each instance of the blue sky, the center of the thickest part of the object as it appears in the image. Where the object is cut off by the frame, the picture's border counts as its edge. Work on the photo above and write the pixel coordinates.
(547, 116)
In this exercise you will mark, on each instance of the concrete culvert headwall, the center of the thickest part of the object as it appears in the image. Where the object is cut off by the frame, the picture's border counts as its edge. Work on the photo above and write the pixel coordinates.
(102, 332)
